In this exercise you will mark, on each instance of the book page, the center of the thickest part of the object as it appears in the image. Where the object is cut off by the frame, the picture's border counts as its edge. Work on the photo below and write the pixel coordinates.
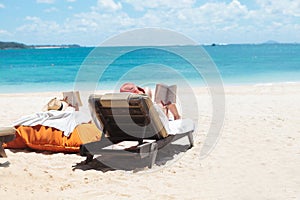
(171, 95)
(161, 91)
(73, 98)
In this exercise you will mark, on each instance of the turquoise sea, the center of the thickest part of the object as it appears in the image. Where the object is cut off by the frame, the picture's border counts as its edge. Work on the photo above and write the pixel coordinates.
(36, 70)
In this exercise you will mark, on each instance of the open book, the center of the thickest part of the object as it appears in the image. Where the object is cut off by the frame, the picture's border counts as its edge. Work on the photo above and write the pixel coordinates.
(165, 94)
(73, 98)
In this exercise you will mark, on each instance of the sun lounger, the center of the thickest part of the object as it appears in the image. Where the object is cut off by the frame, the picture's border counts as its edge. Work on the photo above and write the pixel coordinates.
(132, 127)
(6, 134)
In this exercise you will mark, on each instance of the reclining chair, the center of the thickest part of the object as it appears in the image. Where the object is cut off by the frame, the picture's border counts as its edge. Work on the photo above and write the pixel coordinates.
(7, 134)
(131, 119)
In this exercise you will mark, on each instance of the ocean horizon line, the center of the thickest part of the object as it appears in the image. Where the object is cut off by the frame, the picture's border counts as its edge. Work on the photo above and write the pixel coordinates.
(55, 46)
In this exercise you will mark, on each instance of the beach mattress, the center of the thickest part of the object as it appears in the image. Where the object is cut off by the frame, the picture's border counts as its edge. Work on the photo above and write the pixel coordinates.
(50, 139)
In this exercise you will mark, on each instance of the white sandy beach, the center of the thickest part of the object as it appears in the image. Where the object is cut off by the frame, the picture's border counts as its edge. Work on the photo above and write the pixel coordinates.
(257, 155)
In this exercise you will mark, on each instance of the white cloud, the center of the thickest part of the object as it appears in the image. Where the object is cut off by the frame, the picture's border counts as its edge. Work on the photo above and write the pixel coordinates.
(209, 22)
(81, 27)
(293, 8)
(45, 1)
(221, 12)
(71, 0)
(94, 21)
(287, 7)
(38, 26)
(4, 32)
(275, 15)
(225, 22)
(191, 19)
(51, 10)
(108, 5)
(166, 4)
(2, 5)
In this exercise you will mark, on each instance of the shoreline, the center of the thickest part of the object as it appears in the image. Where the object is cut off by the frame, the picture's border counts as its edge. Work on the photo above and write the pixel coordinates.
(227, 86)
(106, 87)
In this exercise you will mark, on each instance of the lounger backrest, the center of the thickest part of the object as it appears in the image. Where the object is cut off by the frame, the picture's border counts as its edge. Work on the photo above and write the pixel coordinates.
(127, 116)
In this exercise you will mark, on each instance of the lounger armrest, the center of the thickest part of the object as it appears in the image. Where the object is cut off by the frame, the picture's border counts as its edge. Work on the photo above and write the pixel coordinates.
(7, 134)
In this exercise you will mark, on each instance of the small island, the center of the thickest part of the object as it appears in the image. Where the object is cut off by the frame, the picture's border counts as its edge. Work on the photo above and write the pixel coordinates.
(12, 45)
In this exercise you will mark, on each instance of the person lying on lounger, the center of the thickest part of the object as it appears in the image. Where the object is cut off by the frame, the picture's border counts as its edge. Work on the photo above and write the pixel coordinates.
(131, 87)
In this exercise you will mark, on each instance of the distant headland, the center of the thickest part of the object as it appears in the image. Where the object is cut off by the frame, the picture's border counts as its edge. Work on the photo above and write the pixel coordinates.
(16, 45)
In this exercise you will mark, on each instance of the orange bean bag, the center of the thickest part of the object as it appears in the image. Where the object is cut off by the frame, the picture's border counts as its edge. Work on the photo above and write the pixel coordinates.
(50, 139)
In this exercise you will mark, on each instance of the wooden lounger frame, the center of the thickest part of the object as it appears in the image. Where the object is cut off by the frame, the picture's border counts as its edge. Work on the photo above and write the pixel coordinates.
(128, 117)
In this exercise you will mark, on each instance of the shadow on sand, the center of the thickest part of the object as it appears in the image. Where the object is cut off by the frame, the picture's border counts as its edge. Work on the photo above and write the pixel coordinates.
(105, 164)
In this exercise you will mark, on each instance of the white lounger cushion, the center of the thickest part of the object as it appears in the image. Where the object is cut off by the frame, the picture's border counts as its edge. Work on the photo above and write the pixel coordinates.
(175, 126)
(181, 126)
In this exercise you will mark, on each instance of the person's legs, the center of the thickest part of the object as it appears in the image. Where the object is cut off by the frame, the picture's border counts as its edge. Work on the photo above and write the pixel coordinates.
(173, 109)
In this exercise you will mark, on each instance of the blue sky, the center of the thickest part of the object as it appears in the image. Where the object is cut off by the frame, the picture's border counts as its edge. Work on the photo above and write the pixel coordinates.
(89, 22)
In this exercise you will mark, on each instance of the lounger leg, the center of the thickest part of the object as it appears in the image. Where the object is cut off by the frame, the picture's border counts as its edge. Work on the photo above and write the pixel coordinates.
(89, 158)
(153, 154)
(2, 152)
(191, 139)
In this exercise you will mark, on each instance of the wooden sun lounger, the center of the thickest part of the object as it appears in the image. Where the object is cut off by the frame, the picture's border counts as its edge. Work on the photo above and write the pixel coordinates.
(7, 134)
(125, 118)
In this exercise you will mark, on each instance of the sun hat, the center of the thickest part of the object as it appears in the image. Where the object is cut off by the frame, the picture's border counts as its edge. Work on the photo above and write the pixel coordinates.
(129, 87)
(55, 104)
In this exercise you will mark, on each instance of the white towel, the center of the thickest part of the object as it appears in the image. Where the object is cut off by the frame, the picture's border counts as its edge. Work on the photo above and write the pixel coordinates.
(65, 121)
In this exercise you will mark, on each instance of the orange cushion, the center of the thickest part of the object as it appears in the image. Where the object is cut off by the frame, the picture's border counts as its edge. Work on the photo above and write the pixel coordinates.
(50, 139)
